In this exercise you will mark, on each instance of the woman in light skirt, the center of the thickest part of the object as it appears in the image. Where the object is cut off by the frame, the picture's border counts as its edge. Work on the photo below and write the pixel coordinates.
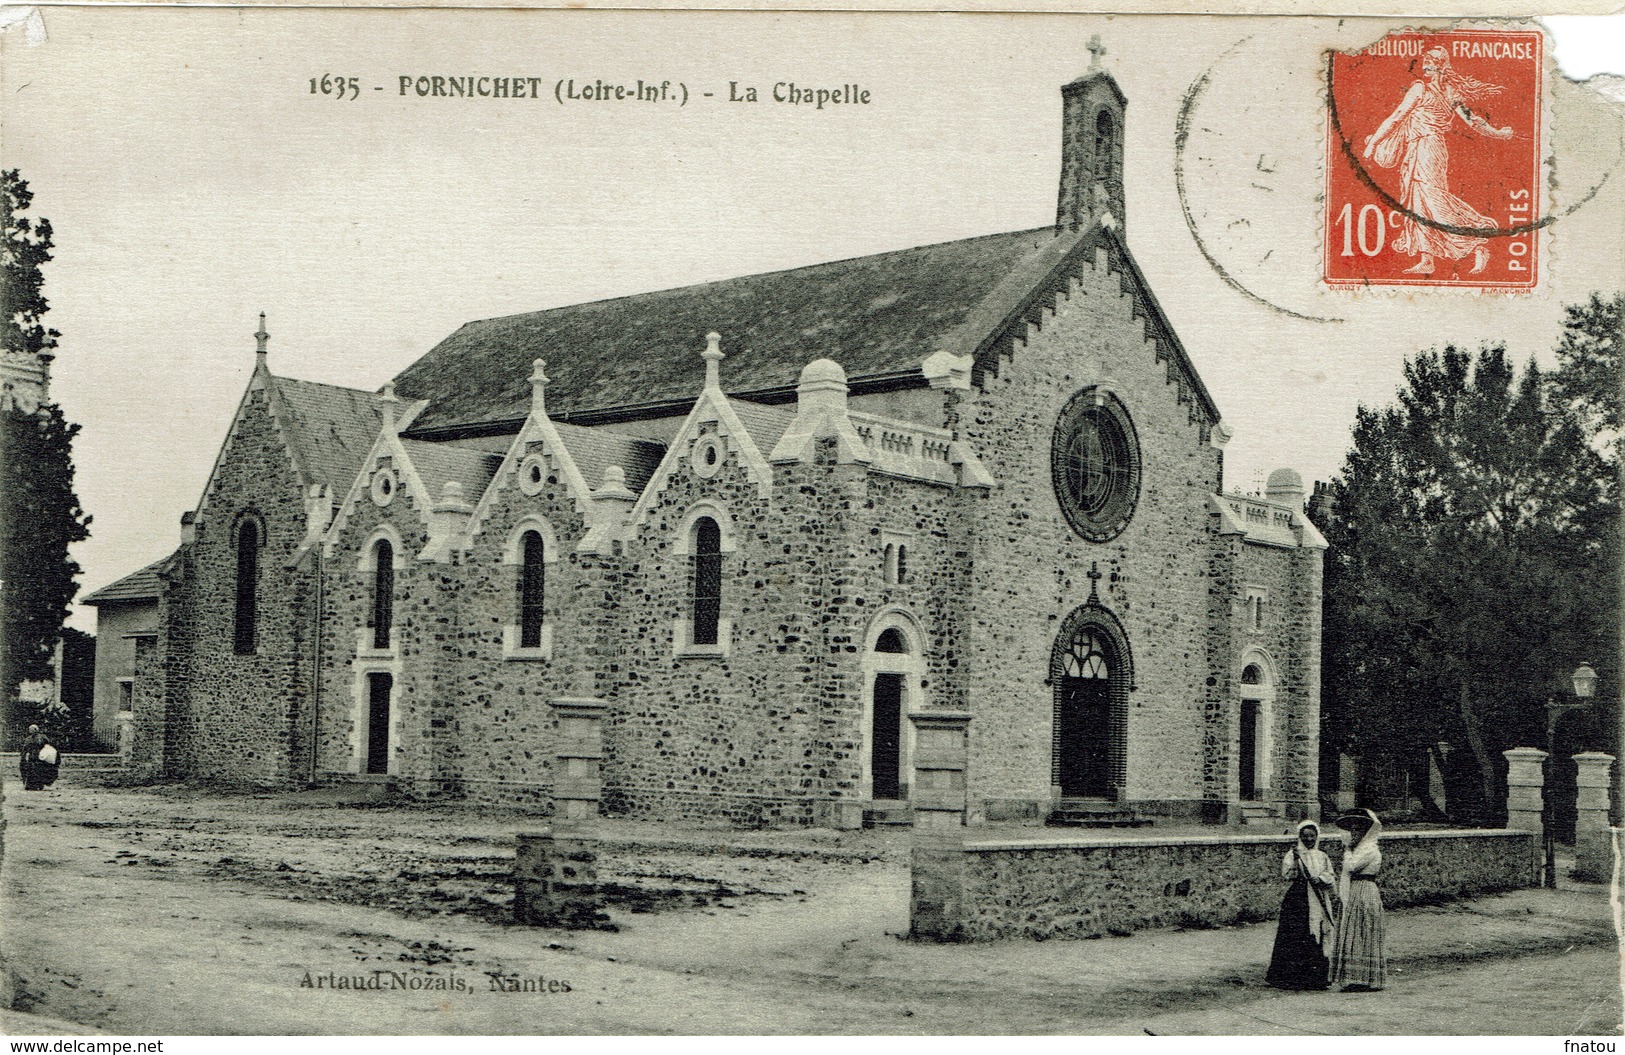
(1358, 963)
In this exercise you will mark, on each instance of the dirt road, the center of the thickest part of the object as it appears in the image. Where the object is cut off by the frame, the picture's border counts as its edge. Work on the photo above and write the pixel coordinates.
(185, 911)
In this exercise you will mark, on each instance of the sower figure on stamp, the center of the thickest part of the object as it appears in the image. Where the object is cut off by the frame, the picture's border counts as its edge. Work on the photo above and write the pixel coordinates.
(1307, 928)
(1413, 137)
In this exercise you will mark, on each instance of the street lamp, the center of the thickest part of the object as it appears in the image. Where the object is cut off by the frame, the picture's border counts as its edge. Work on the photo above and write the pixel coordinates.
(1584, 680)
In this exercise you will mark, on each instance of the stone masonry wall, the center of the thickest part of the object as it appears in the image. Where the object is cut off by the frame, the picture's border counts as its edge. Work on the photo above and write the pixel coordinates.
(421, 614)
(238, 716)
(507, 731)
(147, 707)
(1029, 566)
(1082, 888)
(765, 732)
(1289, 640)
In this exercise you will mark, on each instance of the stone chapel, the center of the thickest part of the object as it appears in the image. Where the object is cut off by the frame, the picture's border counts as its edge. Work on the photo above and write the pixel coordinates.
(763, 521)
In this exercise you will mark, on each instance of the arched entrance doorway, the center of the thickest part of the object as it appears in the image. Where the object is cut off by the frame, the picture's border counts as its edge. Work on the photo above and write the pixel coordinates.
(1253, 741)
(891, 671)
(1090, 675)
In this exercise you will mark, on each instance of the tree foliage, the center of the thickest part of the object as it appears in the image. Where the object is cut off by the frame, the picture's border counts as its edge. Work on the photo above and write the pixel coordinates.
(1473, 546)
(1588, 379)
(26, 248)
(39, 519)
(39, 512)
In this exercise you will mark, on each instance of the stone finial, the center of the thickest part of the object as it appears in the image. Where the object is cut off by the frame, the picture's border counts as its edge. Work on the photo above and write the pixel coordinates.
(538, 388)
(614, 485)
(821, 414)
(1220, 436)
(260, 337)
(1096, 49)
(1286, 487)
(188, 527)
(944, 370)
(713, 355)
(822, 383)
(611, 504)
(452, 494)
(449, 519)
(387, 404)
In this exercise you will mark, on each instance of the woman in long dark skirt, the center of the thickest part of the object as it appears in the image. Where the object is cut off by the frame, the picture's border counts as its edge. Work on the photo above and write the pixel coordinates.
(1307, 928)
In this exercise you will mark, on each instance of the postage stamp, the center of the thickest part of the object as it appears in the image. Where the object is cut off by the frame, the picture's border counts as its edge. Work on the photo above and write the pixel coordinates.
(1433, 161)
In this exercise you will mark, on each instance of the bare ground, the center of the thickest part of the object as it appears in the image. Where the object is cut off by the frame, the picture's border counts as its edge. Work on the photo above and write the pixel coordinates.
(183, 910)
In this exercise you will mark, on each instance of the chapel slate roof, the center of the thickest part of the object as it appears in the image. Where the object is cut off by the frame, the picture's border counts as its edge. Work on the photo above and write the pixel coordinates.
(877, 316)
(766, 425)
(143, 585)
(332, 429)
(595, 450)
(437, 463)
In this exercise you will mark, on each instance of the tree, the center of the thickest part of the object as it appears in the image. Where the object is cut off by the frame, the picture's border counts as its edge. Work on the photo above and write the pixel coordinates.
(26, 249)
(39, 513)
(1588, 378)
(1471, 563)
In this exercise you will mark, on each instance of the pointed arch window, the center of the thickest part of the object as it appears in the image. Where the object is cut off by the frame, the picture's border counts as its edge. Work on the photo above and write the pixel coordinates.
(383, 593)
(707, 549)
(532, 588)
(1086, 658)
(247, 613)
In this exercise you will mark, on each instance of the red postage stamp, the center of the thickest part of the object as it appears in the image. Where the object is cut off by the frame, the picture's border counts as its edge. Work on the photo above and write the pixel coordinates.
(1433, 167)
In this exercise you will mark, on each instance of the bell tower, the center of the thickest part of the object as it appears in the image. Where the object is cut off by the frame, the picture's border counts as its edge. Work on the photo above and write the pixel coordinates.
(1092, 110)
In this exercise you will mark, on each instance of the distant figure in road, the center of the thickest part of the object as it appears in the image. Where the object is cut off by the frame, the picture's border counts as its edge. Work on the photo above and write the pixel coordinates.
(1307, 928)
(1358, 963)
(39, 760)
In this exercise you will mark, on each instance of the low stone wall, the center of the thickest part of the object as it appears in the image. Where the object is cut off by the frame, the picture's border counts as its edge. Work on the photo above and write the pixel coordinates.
(977, 890)
(88, 761)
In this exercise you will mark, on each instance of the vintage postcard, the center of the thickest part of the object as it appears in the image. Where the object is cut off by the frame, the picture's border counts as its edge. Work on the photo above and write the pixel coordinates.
(743, 522)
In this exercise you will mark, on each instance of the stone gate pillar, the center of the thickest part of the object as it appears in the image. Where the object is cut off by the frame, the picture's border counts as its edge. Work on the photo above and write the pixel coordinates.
(1526, 781)
(1593, 846)
(124, 722)
(578, 785)
(940, 751)
(555, 875)
(1346, 778)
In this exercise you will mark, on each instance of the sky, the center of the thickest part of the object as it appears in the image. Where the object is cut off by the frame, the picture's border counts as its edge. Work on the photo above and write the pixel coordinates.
(194, 180)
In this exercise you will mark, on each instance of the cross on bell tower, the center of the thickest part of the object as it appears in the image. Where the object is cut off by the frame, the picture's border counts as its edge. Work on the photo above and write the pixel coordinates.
(1096, 49)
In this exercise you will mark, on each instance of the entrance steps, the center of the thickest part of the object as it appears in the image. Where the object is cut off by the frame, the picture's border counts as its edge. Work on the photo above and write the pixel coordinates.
(1094, 813)
(888, 813)
(1260, 813)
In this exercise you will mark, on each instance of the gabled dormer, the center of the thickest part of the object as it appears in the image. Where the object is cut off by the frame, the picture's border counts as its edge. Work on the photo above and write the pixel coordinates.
(716, 432)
